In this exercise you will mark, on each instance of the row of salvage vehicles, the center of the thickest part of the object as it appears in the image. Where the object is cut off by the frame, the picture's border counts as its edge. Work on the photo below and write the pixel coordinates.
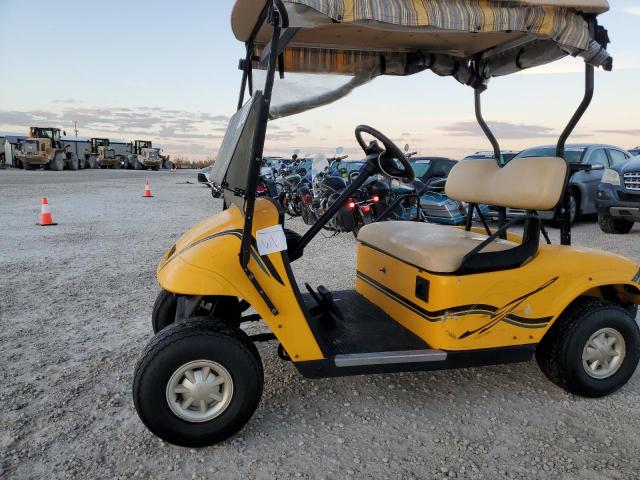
(45, 148)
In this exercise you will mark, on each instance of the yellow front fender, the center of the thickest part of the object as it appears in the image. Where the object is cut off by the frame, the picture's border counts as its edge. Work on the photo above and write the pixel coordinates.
(205, 261)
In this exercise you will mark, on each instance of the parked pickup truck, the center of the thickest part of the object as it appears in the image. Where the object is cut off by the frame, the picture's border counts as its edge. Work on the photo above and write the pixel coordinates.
(618, 197)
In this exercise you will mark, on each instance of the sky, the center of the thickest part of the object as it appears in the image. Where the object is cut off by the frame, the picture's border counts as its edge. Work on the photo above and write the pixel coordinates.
(167, 71)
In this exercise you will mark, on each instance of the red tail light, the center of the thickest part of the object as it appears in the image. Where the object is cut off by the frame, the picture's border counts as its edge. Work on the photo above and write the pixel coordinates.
(352, 204)
(308, 198)
(375, 198)
(366, 208)
(261, 189)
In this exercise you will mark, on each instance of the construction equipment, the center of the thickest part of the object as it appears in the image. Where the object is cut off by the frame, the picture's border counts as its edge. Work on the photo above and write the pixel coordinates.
(43, 148)
(99, 154)
(143, 155)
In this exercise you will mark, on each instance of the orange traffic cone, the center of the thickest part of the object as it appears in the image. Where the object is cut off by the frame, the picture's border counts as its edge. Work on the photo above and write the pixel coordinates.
(46, 219)
(147, 190)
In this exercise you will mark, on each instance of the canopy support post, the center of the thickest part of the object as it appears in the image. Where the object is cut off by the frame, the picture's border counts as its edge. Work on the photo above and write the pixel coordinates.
(502, 212)
(257, 150)
(565, 208)
(485, 128)
(246, 63)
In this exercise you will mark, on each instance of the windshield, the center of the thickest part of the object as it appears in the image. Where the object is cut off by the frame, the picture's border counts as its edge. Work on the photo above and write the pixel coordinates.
(420, 167)
(571, 154)
(298, 92)
(51, 133)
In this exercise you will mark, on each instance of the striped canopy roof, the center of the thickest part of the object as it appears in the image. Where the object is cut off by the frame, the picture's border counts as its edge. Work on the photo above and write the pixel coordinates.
(334, 33)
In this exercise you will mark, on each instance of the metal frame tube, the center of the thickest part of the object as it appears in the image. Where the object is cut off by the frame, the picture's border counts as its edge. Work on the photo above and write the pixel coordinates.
(258, 142)
(565, 209)
(365, 173)
(485, 128)
(246, 71)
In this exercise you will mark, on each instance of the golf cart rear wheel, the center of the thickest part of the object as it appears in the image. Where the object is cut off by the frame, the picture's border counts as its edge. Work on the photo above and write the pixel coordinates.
(592, 350)
(618, 226)
(198, 383)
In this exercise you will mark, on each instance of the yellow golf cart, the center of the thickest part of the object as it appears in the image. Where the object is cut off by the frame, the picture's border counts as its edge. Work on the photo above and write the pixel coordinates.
(426, 296)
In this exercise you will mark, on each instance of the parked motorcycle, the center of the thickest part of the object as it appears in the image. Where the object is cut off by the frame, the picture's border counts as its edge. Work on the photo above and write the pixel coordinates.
(323, 192)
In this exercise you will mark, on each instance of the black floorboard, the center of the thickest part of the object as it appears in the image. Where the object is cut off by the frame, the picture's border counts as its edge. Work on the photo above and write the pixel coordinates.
(366, 328)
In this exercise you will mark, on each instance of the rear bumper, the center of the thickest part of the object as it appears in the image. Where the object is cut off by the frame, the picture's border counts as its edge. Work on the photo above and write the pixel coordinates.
(616, 202)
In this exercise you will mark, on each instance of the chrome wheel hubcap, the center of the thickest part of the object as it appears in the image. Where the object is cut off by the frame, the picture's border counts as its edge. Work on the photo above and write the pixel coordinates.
(604, 353)
(199, 391)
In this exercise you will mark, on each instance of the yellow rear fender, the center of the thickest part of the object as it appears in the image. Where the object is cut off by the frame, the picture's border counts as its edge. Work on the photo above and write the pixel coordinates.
(205, 261)
(597, 274)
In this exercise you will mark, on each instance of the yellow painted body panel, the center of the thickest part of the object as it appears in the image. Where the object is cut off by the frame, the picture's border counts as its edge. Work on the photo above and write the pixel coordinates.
(487, 310)
(205, 261)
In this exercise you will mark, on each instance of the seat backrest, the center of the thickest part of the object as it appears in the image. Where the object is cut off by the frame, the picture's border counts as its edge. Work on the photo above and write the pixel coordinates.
(534, 183)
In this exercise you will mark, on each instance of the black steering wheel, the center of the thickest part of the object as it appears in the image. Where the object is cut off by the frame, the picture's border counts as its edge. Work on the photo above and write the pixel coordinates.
(386, 155)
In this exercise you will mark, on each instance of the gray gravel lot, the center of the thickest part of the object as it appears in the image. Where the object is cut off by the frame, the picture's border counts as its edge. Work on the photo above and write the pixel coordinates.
(75, 316)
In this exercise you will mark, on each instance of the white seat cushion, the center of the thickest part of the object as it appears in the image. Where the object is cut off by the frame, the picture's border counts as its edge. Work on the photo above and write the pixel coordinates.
(431, 247)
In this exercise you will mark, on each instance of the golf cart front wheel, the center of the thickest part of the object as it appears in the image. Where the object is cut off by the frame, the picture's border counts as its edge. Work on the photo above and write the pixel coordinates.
(592, 350)
(198, 383)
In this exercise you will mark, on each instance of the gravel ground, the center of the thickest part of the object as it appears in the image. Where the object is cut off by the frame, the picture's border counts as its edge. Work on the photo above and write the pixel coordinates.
(75, 316)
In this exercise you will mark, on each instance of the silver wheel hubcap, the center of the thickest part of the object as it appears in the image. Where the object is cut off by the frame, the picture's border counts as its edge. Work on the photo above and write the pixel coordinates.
(604, 353)
(199, 391)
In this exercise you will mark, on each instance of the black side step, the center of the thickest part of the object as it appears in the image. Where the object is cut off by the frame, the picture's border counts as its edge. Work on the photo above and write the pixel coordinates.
(411, 361)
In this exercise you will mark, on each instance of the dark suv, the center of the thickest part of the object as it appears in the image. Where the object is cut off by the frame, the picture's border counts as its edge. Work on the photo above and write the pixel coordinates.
(583, 184)
(618, 197)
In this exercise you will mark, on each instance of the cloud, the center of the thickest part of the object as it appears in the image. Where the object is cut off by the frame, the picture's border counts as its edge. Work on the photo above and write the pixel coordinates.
(302, 130)
(633, 10)
(162, 124)
(66, 100)
(500, 129)
(631, 131)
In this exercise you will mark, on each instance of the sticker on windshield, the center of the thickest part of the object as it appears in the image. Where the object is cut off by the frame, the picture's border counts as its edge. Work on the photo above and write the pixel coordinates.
(271, 240)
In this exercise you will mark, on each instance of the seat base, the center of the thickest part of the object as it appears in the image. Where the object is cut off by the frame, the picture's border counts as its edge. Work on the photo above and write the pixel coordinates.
(427, 246)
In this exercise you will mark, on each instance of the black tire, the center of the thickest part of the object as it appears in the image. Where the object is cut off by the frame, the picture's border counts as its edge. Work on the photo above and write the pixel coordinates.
(28, 166)
(136, 164)
(225, 308)
(184, 342)
(559, 355)
(57, 164)
(575, 211)
(74, 164)
(164, 310)
(618, 226)
(92, 162)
